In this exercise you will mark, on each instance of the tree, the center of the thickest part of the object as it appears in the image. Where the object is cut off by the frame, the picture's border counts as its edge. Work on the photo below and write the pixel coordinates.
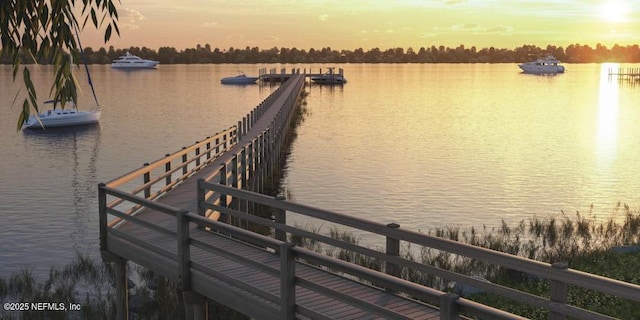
(46, 30)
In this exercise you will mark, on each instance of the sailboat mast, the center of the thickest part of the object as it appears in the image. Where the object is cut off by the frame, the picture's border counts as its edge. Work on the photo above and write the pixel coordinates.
(86, 67)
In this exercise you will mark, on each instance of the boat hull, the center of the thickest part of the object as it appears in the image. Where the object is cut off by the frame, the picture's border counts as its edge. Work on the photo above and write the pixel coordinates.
(60, 119)
(134, 65)
(535, 69)
(233, 80)
(329, 80)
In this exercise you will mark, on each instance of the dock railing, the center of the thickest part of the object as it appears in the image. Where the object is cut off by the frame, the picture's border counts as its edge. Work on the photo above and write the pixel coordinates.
(180, 265)
(155, 179)
(558, 275)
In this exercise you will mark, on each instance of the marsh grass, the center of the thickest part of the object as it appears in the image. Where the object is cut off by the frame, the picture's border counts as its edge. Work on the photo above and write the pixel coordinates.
(82, 282)
(582, 240)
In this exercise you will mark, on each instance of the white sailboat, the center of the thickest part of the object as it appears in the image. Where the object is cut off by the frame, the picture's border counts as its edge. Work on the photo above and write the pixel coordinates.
(59, 117)
(70, 116)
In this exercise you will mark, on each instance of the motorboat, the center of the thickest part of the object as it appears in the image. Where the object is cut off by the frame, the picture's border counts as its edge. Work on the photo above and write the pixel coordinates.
(329, 78)
(129, 61)
(239, 79)
(547, 65)
(59, 117)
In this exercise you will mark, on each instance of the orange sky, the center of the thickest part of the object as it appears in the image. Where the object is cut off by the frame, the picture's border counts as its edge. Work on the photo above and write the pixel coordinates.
(351, 24)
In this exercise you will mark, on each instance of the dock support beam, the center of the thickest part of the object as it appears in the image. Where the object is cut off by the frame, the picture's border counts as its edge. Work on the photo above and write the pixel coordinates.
(195, 306)
(122, 290)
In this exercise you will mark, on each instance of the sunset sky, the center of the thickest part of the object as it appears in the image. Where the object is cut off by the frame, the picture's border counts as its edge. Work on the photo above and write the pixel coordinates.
(352, 24)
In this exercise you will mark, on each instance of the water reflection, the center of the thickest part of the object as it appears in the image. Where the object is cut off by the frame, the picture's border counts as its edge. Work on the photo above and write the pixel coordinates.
(607, 122)
(75, 148)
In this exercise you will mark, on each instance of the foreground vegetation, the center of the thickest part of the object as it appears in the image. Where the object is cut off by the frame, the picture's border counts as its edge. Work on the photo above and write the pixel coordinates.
(608, 248)
(581, 240)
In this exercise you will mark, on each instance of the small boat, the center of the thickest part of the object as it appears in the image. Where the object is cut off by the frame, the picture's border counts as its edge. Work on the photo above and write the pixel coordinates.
(239, 79)
(547, 65)
(62, 117)
(329, 78)
(129, 61)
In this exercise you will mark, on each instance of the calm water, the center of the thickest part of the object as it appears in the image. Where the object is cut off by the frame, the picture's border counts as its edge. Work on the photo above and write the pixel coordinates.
(421, 145)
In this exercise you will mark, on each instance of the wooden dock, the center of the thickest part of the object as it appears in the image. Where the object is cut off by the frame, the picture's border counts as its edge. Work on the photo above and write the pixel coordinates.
(275, 75)
(630, 74)
(163, 216)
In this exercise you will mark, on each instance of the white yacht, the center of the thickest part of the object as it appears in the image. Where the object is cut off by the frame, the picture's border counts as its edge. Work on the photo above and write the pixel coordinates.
(129, 61)
(547, 65)
(70, 116)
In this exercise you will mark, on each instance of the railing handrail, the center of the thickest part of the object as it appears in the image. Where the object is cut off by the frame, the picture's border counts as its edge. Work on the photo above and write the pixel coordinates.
(184, 218)
(136, 173)
(545, 270)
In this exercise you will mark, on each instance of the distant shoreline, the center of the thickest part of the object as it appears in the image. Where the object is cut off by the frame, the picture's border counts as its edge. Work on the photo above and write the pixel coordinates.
(253, 55)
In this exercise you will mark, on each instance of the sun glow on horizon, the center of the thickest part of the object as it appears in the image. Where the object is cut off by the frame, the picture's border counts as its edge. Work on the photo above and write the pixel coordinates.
(613, 11)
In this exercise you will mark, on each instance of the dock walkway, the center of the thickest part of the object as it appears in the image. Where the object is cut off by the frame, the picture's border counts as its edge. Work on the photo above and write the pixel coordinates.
(238, 274)
(163, 216)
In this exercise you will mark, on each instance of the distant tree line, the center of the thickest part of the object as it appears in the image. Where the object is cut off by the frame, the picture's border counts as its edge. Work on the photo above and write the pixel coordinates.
(574, 53)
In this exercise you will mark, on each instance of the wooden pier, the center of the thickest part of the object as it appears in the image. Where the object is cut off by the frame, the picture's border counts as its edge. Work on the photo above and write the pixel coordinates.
(164, 217)
(275, 75)
(630, 74)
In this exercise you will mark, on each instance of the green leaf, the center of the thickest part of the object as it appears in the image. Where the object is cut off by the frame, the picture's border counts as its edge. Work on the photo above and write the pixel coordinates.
(107, 34)
(30, 88)
(115, 25)
(94, 17)
(24, 114)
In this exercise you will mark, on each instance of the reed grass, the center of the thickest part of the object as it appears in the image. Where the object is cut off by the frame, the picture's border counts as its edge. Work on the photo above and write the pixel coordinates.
(584, 241)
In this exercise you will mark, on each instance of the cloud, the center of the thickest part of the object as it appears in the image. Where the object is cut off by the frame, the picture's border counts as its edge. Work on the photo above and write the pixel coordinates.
(465, 26)
(500, 29)
(454, 1)
(210, 24)
(323, 17)
(235, 37)
(129, 18)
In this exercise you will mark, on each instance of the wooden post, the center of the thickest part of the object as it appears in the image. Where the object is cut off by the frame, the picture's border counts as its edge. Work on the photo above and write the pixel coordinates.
(239, 130)
(201, 198)
(223, 181)
(184, 161)
(558, 291)
(122, 290)
(235, 221)
(197, 154)
(196, 305)
(449, 307)
(167, 168)
(287, 281)
(280, 217)
(208, 146)
(393, 249)
(184, 252)
(102, 211)
(146, 178)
